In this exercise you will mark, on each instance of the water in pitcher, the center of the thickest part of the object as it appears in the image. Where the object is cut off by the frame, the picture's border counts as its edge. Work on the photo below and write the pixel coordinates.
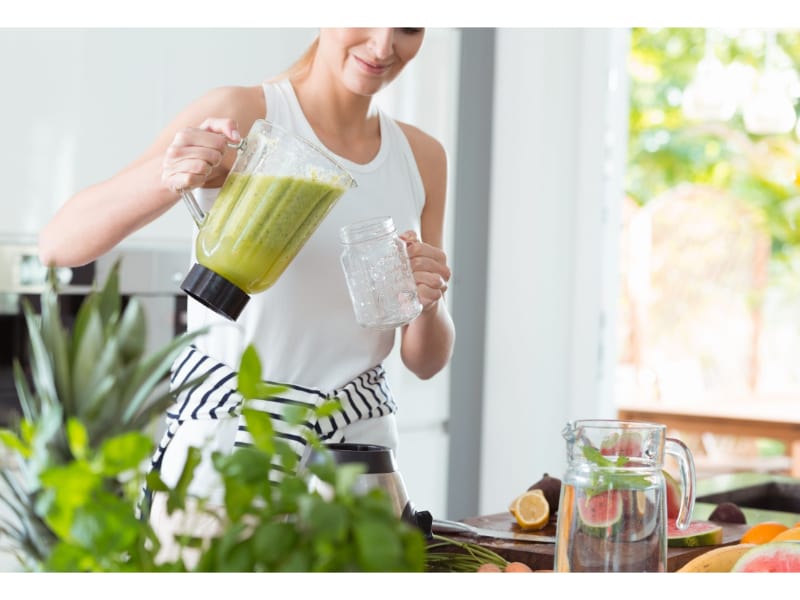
(612, 514)
(611, 525)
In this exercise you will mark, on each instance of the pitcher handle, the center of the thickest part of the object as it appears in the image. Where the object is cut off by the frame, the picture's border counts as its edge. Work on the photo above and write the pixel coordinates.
(682, 453)
(189, 200)
(195, 211)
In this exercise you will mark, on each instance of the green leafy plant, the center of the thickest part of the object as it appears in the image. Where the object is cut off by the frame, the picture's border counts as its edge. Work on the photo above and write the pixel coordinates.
(446, 555)
(91, 392)
(290, 525)
(81, 450)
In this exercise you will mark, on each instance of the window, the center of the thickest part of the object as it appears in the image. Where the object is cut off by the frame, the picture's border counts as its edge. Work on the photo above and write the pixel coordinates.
(710, 240)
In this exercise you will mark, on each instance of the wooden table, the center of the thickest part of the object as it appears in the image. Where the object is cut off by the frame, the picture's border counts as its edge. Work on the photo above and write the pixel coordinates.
(542, 556)
(779, 420)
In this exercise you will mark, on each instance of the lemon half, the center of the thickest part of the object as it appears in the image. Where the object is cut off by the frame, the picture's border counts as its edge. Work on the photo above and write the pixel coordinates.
(531, 509)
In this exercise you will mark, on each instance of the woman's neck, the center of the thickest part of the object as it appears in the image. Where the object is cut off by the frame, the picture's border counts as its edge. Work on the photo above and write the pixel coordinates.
(341, 120)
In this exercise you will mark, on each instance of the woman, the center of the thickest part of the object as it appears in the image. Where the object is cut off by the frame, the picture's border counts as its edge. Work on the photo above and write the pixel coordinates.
(304, 337)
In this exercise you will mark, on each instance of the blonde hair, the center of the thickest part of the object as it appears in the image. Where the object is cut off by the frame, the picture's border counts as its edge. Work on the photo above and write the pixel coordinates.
(302, 63)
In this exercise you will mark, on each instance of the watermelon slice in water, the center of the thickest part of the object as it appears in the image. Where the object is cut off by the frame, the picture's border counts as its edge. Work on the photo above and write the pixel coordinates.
(600, 514)
(699, 533)
(772, 557)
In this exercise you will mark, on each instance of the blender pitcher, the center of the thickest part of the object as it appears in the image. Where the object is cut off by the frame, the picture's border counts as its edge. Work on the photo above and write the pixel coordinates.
(613, 509)
(279, 190)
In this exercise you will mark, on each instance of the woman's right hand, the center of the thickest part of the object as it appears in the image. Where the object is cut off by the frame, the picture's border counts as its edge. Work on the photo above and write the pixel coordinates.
(195, 152)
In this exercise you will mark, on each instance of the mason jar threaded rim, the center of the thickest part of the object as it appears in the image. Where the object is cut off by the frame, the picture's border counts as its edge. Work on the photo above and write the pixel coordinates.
(367, 229)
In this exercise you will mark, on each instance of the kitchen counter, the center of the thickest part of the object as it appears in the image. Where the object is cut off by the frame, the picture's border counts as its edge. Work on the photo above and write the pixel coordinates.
(540, 556)
(713, 490)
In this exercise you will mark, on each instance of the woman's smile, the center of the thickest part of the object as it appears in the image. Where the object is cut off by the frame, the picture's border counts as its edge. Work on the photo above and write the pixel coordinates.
(371, 67)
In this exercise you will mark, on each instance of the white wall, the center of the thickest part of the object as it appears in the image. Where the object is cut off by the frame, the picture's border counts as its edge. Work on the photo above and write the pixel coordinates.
(79, 104)
(558, 149)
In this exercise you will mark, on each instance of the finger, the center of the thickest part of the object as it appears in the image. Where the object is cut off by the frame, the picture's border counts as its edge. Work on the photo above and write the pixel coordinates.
(186, 173)
(177, 182)
(178, 154)
(428, 296)
(227, 127)
(432, 281)
(409, 236)
(423, 264)
(193, 137)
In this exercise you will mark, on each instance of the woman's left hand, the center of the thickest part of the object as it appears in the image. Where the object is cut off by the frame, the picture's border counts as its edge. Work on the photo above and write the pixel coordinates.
(429, 266)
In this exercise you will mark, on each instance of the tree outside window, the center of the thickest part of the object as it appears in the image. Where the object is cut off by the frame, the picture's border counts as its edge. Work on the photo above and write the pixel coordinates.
(710, 252)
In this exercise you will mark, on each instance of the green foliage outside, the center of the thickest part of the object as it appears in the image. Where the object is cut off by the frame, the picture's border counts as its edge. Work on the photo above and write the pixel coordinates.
(666, 150)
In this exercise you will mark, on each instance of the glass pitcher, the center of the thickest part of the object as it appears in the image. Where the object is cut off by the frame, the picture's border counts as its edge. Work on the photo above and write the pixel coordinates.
(279, 190)
(613, 510)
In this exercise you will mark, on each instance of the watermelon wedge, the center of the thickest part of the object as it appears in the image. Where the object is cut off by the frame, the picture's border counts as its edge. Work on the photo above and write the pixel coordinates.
(699, 533)
(772, 557)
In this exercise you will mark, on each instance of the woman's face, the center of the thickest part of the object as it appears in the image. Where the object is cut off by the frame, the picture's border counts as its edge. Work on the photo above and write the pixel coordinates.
(368, 59)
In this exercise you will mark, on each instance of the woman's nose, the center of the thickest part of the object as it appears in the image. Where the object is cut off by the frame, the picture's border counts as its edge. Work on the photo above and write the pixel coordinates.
(381, 42)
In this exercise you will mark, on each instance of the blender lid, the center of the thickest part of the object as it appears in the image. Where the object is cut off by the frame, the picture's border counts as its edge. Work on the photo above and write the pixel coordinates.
(214, 291)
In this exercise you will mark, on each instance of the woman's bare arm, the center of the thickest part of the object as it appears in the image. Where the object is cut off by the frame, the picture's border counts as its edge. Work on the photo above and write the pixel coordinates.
(190, 152)
(427, 342)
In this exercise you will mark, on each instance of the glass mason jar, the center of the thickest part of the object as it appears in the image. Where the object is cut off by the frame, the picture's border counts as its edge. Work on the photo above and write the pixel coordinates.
(378, 273)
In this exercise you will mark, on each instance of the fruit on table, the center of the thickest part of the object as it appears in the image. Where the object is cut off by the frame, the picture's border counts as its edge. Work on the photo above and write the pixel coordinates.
(793, 533)
(727, 512)
(600, 513)
(699, 533)
(531, 509)
(716, 560)
(512, 567)
(551, 486)
(518, 567)
(763, 532)
(771, 557)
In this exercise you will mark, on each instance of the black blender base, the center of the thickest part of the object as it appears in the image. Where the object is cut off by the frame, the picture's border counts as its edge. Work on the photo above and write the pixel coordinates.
(215, 292)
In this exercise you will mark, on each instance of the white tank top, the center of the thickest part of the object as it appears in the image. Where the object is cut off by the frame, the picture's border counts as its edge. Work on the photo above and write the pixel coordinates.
(303, 326)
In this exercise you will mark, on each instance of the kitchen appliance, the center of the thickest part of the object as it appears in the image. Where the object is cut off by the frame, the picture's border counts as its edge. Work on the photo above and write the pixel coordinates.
(380, 471)
(612, 513)
(150, 274)
(279, 190)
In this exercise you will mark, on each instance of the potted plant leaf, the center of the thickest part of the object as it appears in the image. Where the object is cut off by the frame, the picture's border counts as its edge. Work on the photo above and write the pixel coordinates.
(86, 403)
(81, 448)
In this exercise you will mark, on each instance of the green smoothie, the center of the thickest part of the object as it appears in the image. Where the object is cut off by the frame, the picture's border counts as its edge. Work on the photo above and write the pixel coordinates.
(259, 223)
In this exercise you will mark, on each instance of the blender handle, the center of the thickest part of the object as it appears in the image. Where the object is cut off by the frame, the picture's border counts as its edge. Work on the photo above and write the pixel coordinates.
(681, 451)
(189, 200)
(198, 216)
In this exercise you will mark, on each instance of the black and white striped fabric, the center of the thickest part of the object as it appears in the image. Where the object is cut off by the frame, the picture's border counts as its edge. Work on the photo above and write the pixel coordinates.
(365, 397)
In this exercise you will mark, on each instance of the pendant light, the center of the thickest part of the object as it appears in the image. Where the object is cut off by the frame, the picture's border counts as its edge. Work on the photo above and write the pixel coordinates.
(769, 110)
(709, 96)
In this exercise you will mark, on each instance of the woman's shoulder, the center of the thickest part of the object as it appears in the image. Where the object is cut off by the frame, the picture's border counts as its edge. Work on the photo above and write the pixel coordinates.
(422, 144)
(429, 153)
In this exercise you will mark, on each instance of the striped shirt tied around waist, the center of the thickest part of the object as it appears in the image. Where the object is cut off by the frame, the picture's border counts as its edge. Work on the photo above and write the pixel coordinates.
(215, 397)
